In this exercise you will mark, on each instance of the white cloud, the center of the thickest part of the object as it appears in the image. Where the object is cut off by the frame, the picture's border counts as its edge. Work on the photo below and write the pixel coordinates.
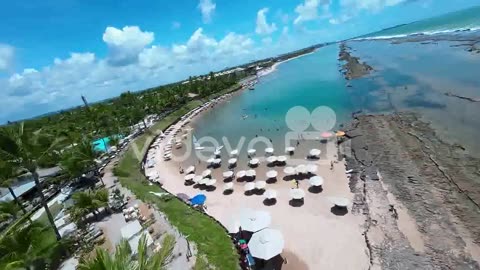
(125, 44)
(155, 57)
(207, 7)
(263, 27)
(7, 53)
(369, 5)
(309, 10)
(343, 18)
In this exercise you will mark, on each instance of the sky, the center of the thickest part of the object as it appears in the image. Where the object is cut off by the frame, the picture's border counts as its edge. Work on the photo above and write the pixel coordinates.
(54, 51)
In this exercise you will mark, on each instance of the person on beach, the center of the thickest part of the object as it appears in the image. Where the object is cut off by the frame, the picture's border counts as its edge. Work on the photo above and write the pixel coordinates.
(331, 165)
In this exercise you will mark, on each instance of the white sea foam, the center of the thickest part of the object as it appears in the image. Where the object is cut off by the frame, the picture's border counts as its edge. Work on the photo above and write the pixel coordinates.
(428, 33)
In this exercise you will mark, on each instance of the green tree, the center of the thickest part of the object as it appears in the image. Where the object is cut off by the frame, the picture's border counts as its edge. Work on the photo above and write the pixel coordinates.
(24, 152)
(123, 258)
(88, 202)
(8, 210)
(7, 173)
(80, 159)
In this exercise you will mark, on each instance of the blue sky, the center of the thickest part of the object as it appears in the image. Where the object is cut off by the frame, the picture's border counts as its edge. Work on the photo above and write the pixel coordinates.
(52, 51)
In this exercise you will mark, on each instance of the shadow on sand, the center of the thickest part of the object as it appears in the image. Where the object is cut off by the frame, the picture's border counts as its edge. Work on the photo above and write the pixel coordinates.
(339, 211)
(271, 180)
(228, 192)
(269, 202)
(248, 193)
(296, 202)
(196, 186)
(259, 191)
(315, 190)
(188, 183)
(210, 188)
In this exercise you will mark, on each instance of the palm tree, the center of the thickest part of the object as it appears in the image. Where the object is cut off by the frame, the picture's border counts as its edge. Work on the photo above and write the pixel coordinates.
(8, 210)
(123, 258)
(80, 159)
(23, 151)
(88, 202)
(7, 172)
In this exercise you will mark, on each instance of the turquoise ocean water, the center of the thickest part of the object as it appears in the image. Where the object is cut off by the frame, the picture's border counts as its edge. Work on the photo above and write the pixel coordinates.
(468, 19)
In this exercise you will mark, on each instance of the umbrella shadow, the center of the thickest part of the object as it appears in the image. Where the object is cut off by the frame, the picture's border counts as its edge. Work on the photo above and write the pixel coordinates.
(275, 263)
(241, 179)
(288, 177)
(271, 165)
(202, 187)
(253, 165)
(231, 166)
(197, 186)
(228, 192)
(296, 202)
(339, 211)
(315, 189)
(227, 180)
(270, 202)
(188, 183)
(271, 180)
(210, 188)
(324, 141)
(259, 191)
(313, 158)
(248, 193)
(250, 179)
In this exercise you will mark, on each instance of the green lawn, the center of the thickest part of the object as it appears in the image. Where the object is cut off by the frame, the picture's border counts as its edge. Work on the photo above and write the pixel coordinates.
(54, 209)
(212, 241)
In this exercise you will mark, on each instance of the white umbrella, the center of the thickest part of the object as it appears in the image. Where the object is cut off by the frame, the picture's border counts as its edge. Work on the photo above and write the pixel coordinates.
(197, 179)
(189, 177)
(249, 186)
(272, 174)
(260, 184)
(289, 149)
(253, 221)
(234, 152)
(232, 161)
(271, 159)
(270, 194)
(228, 186)
(312, 168)
(250, 173)
(300, 169)
(340, 202)
(211, 182)
(289, 170)
(190, 169)
(227, 174)
(297, 193)
(254, 161)
(206, 173)
(266, 244)
(217, 153)
(315, 152)
(217, 161)
(210, 160)
(241, 174)
(269, 150)
(282, 159)
(233, 226)
(204, 181)
(251, 151)
(316, 181)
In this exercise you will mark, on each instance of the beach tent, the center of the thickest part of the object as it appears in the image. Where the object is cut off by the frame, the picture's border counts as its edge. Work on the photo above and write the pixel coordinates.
(297, 194)
(249, 186)
(270, 194)
(241, 174)
(312, 168)
(272, 174)
(198, 199)
(289, 170)
(266, 244)
(227, 174)
(252, 220)
(206, 173)
(260, 184)
(316, 181)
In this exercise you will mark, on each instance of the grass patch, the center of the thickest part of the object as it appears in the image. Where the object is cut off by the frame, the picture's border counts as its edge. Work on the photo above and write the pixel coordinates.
(210, 238)
(54, 209)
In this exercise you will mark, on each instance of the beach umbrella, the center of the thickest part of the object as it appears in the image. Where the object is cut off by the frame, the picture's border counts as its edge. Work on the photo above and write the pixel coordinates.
(232, 161)
(227, 174)
(241, 174)
(249, 186)
(198, 199)
(282, 159)
(260, 184)
(266, 244)
(210, 160)
(272, 174)
(269, 150)
(197, 179)
(217, 161)
(272, 159)
(289, 149)
(233, 226)
(211, 182)
(190, 169)
(270, 194)
(326, 135)
(252, 220)
(217, 153)
(289, 170)
(189, 177)
(228, 186)
(204, 181)
(251, 152)
(301, 169)
(340, 201)
(312, 168)
(206, 173)
(254, 161)
(297, 193)
(250, 173)
(316, 181)
(340, 133)
(183, 197)
(315, 152)
(234, 152)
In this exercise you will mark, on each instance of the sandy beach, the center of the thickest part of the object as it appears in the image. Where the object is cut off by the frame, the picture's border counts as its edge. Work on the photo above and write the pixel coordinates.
(315, 236)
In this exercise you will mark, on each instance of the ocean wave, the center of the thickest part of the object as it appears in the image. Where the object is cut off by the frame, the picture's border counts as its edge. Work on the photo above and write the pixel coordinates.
(428, 33)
